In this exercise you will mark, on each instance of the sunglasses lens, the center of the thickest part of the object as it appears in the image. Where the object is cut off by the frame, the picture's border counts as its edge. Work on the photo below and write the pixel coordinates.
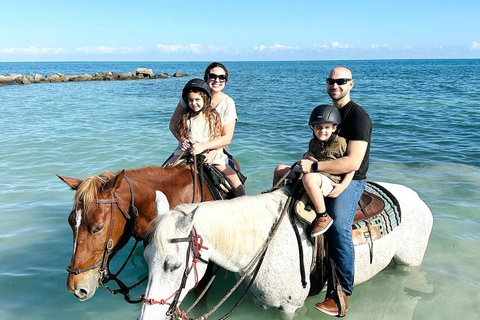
(339, 82)
(220, 77)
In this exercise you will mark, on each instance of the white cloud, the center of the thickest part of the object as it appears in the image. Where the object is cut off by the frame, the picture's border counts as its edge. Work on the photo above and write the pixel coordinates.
(195, 48)
(475, 45)
(107, 50)
(275, 48)
(191, 48)
(321, 47)
(380, 46)
(32, 50)
(169, 49)
(337, 45)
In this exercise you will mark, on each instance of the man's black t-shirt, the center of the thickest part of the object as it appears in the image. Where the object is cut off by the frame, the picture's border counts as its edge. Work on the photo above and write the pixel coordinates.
(357, 125)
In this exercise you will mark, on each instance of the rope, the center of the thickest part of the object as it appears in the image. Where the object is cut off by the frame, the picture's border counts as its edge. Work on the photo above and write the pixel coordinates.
(209, 284)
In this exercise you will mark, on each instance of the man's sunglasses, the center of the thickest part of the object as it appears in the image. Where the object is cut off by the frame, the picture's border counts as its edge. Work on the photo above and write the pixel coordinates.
(340, 81)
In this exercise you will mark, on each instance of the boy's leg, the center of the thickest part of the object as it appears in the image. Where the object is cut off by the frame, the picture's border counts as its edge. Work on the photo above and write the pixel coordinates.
(312, 182)
(313, 185)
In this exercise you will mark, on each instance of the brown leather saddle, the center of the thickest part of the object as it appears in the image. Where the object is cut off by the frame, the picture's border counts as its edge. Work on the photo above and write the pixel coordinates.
(369, 205)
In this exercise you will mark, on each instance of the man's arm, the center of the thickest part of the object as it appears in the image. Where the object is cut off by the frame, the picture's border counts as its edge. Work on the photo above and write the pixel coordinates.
(350, 162)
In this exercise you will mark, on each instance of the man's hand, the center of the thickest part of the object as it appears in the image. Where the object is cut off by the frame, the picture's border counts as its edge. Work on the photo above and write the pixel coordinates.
(337, 190)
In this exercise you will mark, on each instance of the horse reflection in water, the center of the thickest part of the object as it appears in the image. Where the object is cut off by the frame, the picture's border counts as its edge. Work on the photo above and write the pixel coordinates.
(232, 233)
(110, 208)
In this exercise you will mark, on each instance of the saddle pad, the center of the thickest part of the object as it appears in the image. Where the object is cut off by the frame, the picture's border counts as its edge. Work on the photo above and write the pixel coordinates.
(387, 219)
(381, 223)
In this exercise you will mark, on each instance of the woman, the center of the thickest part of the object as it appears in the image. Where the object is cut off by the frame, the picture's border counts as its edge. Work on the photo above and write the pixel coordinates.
(216, 76)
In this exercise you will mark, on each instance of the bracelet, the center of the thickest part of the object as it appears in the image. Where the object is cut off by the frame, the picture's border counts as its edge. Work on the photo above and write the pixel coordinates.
(315, 166)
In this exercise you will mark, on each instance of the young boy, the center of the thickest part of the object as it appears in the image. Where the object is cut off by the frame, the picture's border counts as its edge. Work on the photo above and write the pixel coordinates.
(325, 145)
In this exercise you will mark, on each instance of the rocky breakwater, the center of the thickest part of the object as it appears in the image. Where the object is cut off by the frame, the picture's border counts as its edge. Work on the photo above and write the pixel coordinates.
(139, 74)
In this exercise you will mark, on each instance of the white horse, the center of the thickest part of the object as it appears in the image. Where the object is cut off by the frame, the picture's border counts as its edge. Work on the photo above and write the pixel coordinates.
(234, 232)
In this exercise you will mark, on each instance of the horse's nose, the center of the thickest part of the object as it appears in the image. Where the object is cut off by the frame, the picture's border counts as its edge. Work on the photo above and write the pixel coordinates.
(81, 294)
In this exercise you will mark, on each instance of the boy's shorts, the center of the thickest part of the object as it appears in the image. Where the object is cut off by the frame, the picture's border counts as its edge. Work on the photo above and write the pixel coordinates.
(326, 185)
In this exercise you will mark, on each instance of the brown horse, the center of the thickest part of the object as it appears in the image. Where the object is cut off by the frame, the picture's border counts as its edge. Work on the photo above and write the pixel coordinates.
(110, 208)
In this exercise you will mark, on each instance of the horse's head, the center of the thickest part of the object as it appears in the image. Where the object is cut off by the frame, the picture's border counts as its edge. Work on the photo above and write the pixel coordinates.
(98, 229)
(175, 250)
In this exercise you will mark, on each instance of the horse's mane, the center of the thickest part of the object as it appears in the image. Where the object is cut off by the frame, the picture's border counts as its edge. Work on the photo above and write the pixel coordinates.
(236, 228)
(89, 189)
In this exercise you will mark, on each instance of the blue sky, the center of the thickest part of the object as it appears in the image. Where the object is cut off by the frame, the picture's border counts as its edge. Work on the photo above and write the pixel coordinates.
(175, 30)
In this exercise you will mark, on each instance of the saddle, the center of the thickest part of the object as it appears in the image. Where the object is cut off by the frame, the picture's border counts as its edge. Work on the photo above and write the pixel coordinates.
(378, 213)
(369, 206)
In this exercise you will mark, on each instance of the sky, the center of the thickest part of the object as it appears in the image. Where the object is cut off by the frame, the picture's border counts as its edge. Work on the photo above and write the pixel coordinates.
(246, 30)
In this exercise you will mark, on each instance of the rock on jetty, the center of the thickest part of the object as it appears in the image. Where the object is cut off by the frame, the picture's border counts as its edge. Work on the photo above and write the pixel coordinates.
(141, 73)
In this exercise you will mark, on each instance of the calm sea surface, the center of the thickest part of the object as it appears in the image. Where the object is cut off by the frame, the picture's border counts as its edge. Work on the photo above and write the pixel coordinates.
(426, 116)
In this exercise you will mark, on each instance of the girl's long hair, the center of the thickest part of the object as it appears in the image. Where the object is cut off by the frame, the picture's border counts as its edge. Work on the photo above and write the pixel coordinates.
(211, 117)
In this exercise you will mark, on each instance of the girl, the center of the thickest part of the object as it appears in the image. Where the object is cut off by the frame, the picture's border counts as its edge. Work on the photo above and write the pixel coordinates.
(216, 76)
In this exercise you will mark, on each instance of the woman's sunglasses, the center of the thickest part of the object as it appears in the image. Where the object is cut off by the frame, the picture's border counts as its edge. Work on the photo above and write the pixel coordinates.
(220, 77)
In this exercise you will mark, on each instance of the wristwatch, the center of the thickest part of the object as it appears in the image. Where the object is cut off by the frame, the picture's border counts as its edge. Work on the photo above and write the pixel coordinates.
(315, 166)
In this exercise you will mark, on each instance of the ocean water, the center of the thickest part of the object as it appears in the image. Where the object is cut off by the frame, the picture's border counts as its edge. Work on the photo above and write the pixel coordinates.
(426, 116)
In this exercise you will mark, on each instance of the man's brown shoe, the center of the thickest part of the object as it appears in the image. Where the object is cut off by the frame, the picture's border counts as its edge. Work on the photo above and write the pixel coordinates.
(321, 224)
(330, 307)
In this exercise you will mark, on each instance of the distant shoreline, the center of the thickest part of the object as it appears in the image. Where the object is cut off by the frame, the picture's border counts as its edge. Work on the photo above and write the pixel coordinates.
(139, 74)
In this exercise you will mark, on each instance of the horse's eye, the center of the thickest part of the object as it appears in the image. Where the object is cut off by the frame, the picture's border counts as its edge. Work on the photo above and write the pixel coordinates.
(170, 267)
(97, 229)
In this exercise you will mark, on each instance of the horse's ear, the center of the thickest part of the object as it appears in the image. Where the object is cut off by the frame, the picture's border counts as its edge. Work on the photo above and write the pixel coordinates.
(114, 182)
(161, 202)
(71, 182)
(186, 224)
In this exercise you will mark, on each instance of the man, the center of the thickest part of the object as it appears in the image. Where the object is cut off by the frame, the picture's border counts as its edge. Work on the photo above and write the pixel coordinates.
(357, 130)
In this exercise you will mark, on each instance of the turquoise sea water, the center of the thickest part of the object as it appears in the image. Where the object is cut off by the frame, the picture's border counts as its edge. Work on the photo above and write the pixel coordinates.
(426, 116)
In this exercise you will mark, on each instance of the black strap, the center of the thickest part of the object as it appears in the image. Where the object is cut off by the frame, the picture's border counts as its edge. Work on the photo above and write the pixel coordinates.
(370, 244)
(299, 244)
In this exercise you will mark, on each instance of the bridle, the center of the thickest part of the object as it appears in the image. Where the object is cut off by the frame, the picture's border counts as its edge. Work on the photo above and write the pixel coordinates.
(130, 217)
(195, 245)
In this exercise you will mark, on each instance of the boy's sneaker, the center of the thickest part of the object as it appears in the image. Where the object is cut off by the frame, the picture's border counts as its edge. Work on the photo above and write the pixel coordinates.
(321, 224)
